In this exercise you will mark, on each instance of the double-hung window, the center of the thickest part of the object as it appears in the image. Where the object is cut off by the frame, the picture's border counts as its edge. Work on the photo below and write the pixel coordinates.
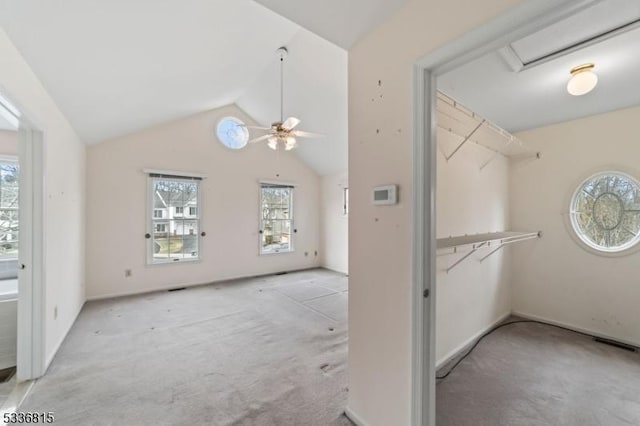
(173, 237)
(276, 218)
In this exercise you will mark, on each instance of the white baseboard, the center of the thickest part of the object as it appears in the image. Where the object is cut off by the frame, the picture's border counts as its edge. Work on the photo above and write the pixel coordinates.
(454, 353)
(356, 419)
(189, 285)
(525, 315)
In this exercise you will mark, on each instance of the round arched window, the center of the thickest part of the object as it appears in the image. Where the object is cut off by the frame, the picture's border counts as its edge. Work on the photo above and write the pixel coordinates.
(232, 133)
(605, 212)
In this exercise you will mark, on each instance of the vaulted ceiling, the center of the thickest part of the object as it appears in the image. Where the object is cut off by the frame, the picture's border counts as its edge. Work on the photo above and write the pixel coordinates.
(117, 67)
(342, 22)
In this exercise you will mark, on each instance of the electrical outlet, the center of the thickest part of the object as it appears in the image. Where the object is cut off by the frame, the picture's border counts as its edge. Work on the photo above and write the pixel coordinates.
(127, 272)
(55, 312)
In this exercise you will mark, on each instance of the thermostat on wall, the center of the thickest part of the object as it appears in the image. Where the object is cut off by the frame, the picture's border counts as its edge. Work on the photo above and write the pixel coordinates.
(385, 195)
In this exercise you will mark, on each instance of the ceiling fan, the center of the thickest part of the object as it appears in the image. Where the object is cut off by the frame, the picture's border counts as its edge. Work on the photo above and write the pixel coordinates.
(282, 132)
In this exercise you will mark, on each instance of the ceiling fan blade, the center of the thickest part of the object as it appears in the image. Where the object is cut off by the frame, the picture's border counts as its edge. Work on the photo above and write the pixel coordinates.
(290, 123)
(261, 138)
(256, 127)
(304, 134)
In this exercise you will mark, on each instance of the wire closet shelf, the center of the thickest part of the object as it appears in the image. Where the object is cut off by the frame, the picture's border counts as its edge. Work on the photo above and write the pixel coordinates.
(494, 241)
(466, 126)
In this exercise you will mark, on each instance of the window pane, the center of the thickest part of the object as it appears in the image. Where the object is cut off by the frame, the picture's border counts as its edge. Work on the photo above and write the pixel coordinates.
(604, 212)
(9, 215)
(175, 220)
(276, 219)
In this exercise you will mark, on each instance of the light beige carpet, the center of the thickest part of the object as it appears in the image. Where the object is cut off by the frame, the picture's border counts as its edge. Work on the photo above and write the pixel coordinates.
(536, 375)
(265, 351)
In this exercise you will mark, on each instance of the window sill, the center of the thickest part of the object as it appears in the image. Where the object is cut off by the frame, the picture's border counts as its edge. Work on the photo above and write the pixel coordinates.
(175, 262)
(271, 253)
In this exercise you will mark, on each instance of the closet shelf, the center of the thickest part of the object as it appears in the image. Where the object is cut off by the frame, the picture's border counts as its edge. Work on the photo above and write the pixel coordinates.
(467, 126)
(493, 240)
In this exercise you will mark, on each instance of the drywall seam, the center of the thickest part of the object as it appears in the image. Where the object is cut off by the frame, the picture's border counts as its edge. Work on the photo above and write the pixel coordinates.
(575, 328)
(454, 353)
(351, 415)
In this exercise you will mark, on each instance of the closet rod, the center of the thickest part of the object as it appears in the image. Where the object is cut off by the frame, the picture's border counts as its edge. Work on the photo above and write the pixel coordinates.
(530, 237)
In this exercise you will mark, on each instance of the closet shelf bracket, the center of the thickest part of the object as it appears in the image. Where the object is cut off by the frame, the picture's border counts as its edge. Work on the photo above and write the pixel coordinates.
(479, 241)
(463, 258)
(466, 139)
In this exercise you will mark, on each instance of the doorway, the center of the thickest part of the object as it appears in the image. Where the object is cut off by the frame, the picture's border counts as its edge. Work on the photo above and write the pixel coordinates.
(509, 27)
(21, 252)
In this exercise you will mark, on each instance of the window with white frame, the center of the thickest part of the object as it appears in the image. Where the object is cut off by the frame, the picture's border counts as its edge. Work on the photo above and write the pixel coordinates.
(276, 218)
(9, 209)
(174, 238)
(605, 212)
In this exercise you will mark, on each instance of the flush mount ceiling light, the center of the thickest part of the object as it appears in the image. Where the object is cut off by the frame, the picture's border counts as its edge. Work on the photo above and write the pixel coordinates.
(282, 132)
(583, 80)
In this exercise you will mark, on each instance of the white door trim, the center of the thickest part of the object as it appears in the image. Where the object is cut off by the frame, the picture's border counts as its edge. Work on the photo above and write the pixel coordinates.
(31, 291)
(516, 23)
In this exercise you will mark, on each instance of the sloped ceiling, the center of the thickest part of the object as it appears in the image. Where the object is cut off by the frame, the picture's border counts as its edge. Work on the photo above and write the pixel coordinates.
(342, 22)
(315, 91)
(115, 67)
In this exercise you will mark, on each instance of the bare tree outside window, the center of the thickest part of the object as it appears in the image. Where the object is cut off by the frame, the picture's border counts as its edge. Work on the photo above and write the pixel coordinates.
(9, 209)
(277, 218)
(605, 212)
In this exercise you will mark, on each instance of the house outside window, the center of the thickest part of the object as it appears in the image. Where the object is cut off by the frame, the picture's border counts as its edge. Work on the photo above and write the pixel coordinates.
(174, 237)
(276, 230)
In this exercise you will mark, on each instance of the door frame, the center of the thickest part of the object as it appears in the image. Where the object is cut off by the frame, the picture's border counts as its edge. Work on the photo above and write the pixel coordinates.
(30, 359)
(522, 20)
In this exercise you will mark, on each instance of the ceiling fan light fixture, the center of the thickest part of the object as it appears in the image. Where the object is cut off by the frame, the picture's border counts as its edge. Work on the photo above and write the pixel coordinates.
(583, 80)
(290, 143)
(272, 143)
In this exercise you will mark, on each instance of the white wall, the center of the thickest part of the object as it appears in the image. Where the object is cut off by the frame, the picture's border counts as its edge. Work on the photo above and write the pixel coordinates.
(65, 194)
(557, 279)
(473, 295)
(117, 206)
(335, 225)
(380, 237)
(9, 142)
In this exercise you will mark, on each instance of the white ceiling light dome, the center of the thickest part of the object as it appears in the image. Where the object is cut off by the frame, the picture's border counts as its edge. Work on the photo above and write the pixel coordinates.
(583, 80)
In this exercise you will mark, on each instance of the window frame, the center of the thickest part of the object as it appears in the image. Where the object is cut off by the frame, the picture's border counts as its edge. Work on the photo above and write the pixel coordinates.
(238, 123)
(291, 249)
(574, 228)
(152, 177)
